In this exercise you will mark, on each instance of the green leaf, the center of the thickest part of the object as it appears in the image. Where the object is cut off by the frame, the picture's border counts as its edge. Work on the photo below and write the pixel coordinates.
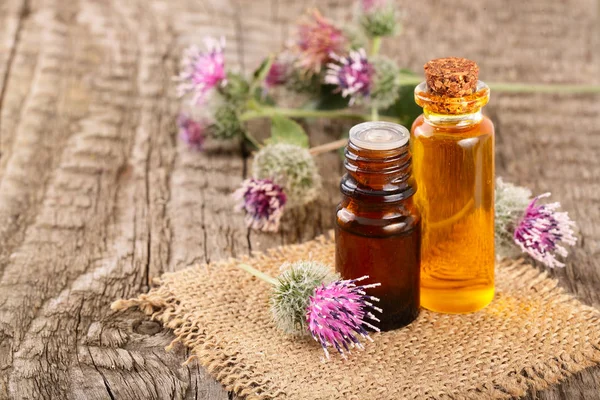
(405, 108)
(285, 130)
(262, 71)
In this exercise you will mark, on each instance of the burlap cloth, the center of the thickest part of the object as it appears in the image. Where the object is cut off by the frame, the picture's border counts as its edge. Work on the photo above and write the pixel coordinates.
(532, 335)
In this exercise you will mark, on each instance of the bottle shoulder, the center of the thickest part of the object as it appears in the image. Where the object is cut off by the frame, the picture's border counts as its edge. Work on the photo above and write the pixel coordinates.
(423, 129)
(394, 219)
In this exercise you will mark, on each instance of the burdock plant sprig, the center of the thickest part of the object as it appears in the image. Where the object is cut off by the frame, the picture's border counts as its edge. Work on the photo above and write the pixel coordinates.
(308, 299)
(334, 71)
(355, 77)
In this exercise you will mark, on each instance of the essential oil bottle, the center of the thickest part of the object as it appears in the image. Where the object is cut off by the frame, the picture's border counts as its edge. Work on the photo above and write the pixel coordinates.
(378, 225)
(452, 146)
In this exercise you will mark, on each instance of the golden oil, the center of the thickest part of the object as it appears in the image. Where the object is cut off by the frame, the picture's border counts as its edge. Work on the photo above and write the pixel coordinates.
(452, 146)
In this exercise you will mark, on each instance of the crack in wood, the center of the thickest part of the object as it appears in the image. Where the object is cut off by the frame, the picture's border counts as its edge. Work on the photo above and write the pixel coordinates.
(22, 15)
(101, 96)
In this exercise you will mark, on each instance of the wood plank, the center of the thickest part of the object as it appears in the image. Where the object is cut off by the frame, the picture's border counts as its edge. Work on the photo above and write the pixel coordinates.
(97, 196)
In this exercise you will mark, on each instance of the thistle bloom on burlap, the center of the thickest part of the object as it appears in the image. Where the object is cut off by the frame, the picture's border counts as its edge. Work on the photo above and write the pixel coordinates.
(263, 202)
(202, 71)
(291, 294)
(192, 132)
(352, 74)
(543, 232)
(309, 298)
(338, 315)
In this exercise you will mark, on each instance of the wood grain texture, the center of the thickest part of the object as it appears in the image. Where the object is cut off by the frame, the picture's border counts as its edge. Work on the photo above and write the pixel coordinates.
(97, 196)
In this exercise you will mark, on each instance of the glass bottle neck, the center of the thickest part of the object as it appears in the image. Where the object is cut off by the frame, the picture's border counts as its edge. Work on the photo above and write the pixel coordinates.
(441, 110)
(381, 176)
(452, 120)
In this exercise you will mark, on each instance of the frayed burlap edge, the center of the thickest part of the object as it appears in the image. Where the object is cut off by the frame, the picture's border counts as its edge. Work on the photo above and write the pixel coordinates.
(162, 305)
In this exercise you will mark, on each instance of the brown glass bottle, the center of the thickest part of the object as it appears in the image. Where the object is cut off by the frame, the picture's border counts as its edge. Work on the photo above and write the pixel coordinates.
(378, 225)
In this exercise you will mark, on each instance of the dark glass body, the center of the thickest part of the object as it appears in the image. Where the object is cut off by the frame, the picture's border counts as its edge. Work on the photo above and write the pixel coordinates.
(378, 230)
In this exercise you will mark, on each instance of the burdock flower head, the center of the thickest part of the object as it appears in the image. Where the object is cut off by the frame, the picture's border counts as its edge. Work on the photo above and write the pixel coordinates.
(378, 17)
(192, 132)
(318, 38)
(292, 292)
(292, 167)
(227, 124)
(263, 202)
(543, 232)
(202, 71)
(338, 314)
(308, 298)
(510, 201)
(352, 74)
(278, 73)
(386, 86)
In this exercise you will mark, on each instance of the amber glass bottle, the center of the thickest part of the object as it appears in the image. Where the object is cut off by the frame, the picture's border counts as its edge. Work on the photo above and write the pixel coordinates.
(378, 225)
(452, 146)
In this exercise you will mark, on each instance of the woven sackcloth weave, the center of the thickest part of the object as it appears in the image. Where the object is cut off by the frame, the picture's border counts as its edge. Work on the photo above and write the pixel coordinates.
(531, 336)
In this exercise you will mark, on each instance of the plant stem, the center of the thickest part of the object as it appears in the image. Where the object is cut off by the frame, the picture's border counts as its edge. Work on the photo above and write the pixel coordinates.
(375, 45)
(267, 112)
(324, 148)
(259, 274)
(252, 140)
(374, 114)
(406, 79)
(543, 88)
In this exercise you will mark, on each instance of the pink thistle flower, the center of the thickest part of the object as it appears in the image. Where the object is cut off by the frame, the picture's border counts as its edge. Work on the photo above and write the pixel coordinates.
(542, 232)
(192, 132)
(202, 71)
(337, 315)
(263, 202)
(353, 75)
(317, 40)
(368, 6)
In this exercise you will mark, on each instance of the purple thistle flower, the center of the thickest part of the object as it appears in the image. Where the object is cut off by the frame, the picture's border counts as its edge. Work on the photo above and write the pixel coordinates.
(202, 71)
(277, 75)
(263, 201)
(542, 232)
(192, 132)
(354, 75)
(337, 315)
(317, 40)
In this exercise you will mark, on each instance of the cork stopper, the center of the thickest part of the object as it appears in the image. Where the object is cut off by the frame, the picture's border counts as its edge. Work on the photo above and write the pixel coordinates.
(452, 76)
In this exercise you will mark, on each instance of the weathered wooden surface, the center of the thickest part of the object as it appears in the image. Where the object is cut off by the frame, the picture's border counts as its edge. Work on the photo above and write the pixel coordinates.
(97, 196)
